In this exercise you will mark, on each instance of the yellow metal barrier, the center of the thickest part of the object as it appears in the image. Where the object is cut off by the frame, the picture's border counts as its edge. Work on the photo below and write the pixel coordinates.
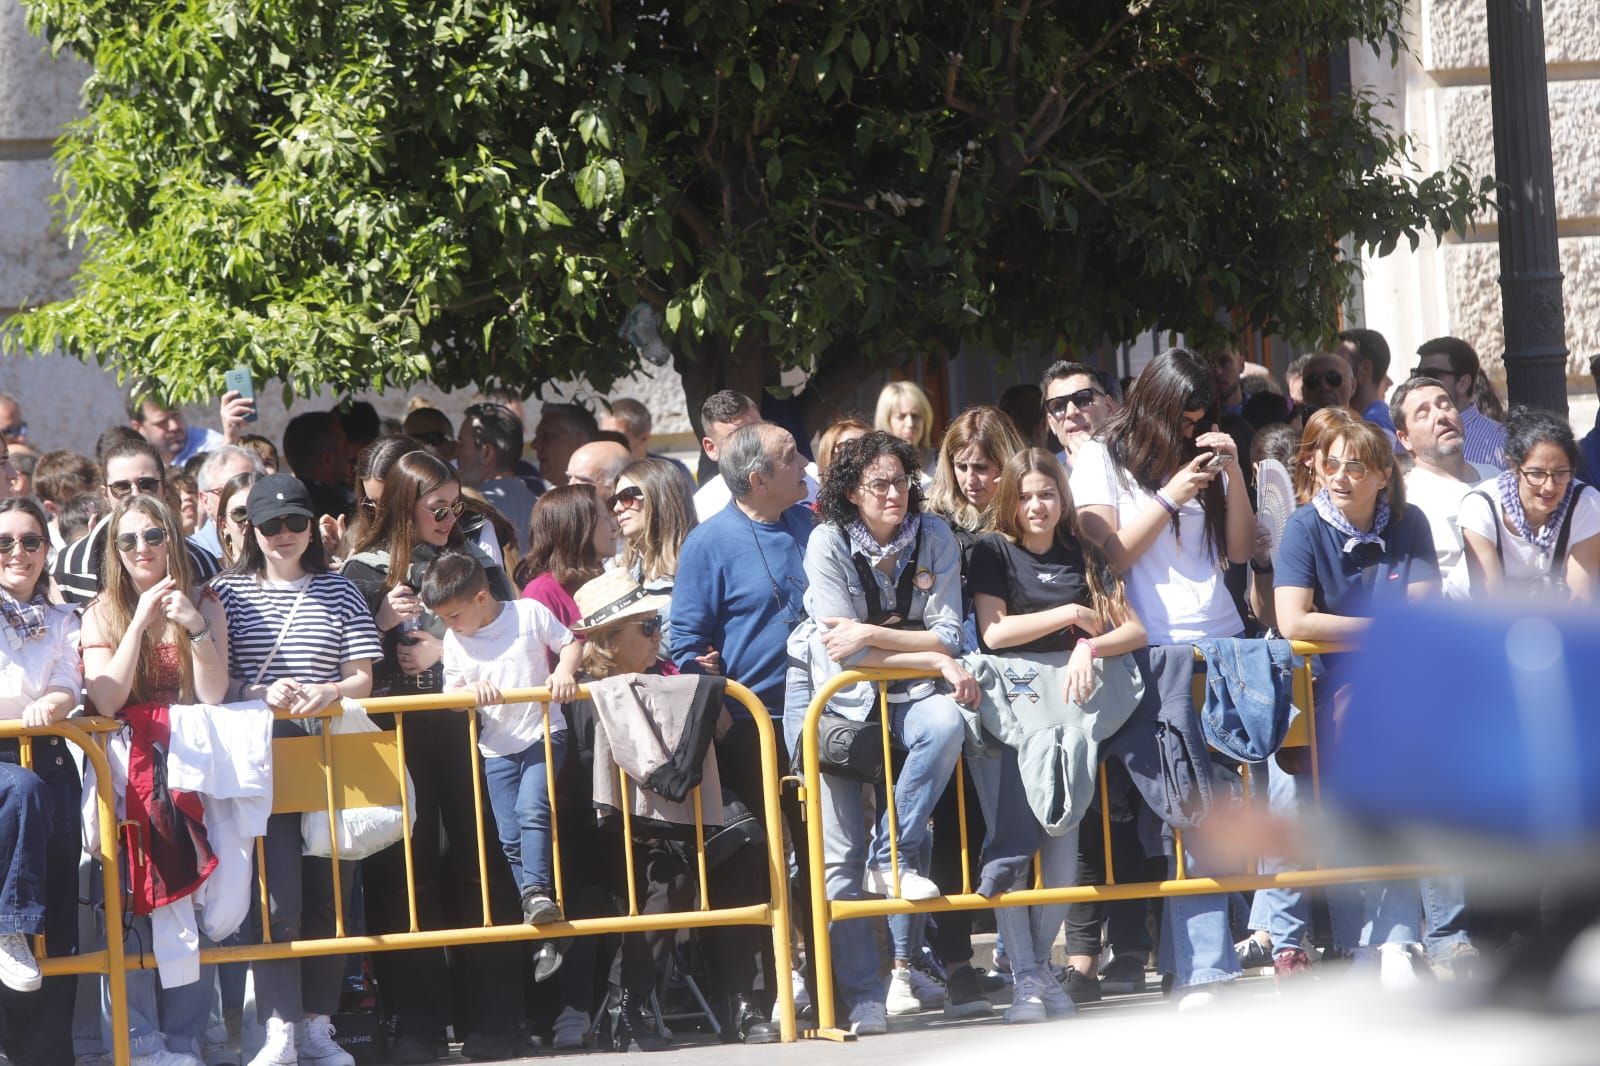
(333, 771)
(1303, 733)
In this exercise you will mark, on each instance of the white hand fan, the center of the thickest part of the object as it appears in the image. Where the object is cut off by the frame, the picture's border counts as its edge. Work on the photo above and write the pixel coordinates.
(1274, 500)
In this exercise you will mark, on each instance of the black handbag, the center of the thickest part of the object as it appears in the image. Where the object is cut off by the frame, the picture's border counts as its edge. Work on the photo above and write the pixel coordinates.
(851, 749)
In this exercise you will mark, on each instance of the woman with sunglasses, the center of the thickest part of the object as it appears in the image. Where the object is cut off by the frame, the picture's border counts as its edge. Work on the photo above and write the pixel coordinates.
(40, 845)
(415, 519)
(1162, 496)
(570, 537)
(233, 523)
(654, 509)
(154, 636)
(300, 638)
(1534, 530)
(1356, 548)
(884, 589)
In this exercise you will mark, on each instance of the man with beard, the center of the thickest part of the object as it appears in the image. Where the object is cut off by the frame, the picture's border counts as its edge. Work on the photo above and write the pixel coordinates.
(1428, 425)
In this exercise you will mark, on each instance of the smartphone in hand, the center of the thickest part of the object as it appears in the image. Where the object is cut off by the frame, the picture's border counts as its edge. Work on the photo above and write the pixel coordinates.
(238, 380)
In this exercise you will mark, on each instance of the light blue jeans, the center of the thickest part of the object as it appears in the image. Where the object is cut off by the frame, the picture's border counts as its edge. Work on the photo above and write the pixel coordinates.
(1444, 908)
(520, 797)
(930, 731)
(1196, 938)
(1030, 932)
(1284, 913)
(160, 1019)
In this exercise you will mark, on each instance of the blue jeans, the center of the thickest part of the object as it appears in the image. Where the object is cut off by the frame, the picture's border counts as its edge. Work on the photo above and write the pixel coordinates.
(1444, 909)
(1030, 932)
(519, 793)
(930, 730)
(1284, 913)
(1196, 940)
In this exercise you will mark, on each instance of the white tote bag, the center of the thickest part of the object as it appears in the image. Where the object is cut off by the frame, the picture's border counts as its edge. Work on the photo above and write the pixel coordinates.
(363, 831)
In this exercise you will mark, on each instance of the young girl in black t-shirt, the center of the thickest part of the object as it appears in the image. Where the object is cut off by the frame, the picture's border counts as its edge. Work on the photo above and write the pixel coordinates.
(1040, 591)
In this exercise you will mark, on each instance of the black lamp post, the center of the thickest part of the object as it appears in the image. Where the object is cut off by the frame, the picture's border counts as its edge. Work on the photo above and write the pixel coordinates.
(1530, 267)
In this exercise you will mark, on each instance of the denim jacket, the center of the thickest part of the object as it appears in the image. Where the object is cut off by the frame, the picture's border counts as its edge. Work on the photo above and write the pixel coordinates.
(1249, 685)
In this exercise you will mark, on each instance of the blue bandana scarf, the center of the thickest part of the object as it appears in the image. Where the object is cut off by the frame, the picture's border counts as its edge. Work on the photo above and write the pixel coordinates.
(1329, 512)
(864, 542)
(23, 620)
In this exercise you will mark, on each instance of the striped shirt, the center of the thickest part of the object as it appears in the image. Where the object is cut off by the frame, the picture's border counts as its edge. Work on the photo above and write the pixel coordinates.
(1485, 439)
(332, 626)
(77, 569)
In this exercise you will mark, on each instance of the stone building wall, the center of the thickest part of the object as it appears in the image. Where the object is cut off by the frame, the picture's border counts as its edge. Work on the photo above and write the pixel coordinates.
(1440, 96)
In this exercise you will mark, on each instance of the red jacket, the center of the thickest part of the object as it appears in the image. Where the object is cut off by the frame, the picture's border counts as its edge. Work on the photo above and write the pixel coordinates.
(169, 856)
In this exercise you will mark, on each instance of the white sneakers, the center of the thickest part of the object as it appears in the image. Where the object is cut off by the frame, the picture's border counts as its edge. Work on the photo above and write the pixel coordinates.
(18, 969)
(880, 882)
(1396, 969)
(572, 1025)
(308, 1044)
(869, 1019)
(163, 1057)
(902, 999)
(1027, 1000)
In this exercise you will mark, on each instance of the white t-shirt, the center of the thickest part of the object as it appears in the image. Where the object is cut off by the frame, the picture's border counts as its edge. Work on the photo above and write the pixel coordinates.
(46, 660)
(1176, 586)
(713, 496)
(1518, 558)
(1439, 498)
(513, 651)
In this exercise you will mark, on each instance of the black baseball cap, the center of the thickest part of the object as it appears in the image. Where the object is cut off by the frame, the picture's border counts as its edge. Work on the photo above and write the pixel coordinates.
(276, 496)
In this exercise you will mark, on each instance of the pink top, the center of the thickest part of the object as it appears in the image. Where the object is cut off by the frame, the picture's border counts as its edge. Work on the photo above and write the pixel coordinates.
(547, 590)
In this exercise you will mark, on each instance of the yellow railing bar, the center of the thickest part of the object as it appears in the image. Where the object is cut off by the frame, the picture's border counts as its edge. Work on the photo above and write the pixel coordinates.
(405, 827)
(1105, 824)
(961, 815)
(333, 827)
(627, 843)
(888, 788)
(700, 851)
(473, 768)
(555, 831)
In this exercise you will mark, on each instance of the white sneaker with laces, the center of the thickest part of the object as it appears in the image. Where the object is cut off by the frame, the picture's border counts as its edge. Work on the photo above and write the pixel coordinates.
(163, 1057)
(869, 1019)
(901, 999)
(1056, 1001)
(880, 882)
(1199, 999)
(19, 971)
(1027, 1001)
(1396, 971)
(317, 1047)
(572, 1025)
(278, 1049)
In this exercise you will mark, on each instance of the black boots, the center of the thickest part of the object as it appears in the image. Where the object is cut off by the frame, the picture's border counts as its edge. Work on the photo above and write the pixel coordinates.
(748, 1023)
(633, 1024)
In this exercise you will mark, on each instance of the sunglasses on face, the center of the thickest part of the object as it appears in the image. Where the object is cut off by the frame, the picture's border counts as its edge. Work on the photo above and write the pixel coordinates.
(28, 542)
(1332, 378)
(1056, 406)
(651, 626)
(147, 486)
(16, 432)
(154, 538)
(452, 510)
(238, 515)
(1353, 467)
(294, 523)
(627, 498)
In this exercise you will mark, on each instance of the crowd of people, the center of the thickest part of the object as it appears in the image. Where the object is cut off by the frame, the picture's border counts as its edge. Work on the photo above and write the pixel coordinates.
(1050, 564)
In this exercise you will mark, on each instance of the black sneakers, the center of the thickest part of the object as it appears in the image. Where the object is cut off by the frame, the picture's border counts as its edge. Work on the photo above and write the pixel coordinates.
(1081, 987)
(964, 996)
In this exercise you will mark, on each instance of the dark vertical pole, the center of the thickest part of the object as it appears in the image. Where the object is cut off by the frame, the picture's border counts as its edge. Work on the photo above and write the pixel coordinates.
(1530, 268)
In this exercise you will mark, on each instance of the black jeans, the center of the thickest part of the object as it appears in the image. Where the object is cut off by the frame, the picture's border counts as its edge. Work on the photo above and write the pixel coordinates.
(36, 1027)
(488, 979)
(1126, 927)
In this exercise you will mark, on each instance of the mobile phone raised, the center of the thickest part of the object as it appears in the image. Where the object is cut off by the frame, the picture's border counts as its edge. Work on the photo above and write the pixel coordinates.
(238, 380)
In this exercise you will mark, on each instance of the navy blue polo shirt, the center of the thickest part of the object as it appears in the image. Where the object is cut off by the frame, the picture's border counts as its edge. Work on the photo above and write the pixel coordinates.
(1312, 556)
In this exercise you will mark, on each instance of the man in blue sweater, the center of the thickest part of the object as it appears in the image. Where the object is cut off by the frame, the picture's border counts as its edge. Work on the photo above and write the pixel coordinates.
(740, 585)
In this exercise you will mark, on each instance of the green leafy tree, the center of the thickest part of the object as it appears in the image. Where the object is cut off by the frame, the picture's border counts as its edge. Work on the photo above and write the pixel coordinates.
(367, 192)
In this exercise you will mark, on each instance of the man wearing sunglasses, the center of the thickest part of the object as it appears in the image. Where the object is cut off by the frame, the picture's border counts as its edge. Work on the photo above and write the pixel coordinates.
(13, 427)
(132, 467)
(1327, 381)
(1076, 405)
(1453, 363)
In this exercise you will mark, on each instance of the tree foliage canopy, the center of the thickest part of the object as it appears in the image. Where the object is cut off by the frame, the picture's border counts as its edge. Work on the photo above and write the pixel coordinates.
(372, 192)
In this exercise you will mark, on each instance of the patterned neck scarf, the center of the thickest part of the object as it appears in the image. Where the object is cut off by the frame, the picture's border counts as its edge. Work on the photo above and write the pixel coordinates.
(862, 540)
(1543, 539)
(23, 620)
(1329, 512)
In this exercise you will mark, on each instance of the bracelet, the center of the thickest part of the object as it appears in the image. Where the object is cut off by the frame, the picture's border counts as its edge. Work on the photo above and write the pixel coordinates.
(1094, 652)
(205, 631)
(1167, 502)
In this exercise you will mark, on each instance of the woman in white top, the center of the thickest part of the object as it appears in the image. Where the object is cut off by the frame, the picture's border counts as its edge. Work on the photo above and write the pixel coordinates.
(1162, 496)
(1534, 530)
(39, 833)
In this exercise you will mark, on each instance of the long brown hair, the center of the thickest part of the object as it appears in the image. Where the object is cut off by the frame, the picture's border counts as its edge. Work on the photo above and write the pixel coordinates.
(376, 460)
(1106, 591)
(561, 537)
(668, 513)
(30, 507)
(1313, 440)
(1146, 439)
(995, 436)
(412, 477)
(119, 596)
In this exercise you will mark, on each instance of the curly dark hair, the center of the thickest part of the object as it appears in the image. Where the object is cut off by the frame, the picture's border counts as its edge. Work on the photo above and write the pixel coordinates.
(850, 461)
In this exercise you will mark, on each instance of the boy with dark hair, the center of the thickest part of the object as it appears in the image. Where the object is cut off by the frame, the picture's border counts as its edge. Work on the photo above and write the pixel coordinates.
(491, 647)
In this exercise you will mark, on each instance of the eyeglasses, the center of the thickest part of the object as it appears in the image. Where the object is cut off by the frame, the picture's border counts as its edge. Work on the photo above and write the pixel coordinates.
(1541, 477)
(650, 626)
(238, 515)
(1434, 372)
(1332, 378)
(628, 498)
(147, 486)
(294, 523)
(1196, 421)
(451, 510)
(1353, 467)
(881, 487)
(1056, 406)
(29, 542)
(153, 537)
(16, 432)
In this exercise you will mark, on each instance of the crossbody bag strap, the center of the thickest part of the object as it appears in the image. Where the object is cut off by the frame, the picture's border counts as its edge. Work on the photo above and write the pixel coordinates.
(1566, 530)
(276, 644)
(1499, 520)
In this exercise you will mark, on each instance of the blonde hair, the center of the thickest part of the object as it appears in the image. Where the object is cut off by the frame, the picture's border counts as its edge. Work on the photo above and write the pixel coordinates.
(668, 512)
(119, 596)
(992, 433)
(890, 398)
(1107, 593)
